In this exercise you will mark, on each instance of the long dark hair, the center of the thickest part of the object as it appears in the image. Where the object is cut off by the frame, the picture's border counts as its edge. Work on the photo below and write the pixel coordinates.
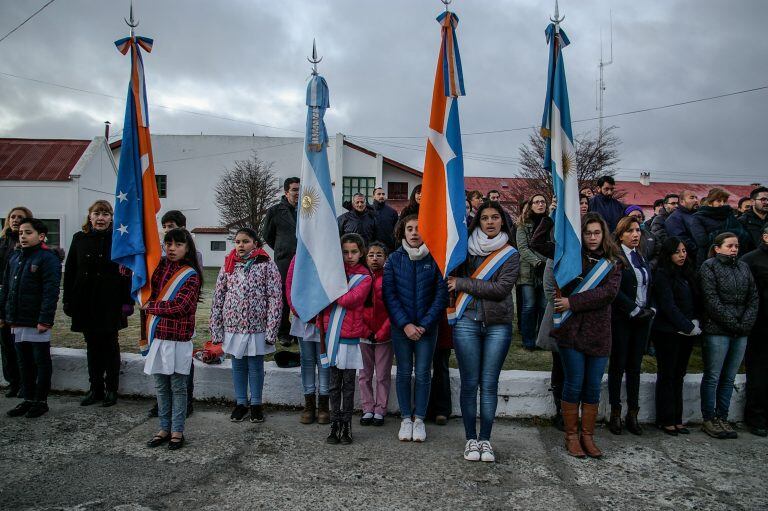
(608, 247)
(718, 242)
(180, 235)
(527, 212)
(489, 204)
(668, 249)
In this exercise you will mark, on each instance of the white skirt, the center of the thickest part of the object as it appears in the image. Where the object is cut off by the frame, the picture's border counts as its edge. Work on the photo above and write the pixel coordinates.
(168, 357)
(246, 345)
(305, 331)
(349, 356)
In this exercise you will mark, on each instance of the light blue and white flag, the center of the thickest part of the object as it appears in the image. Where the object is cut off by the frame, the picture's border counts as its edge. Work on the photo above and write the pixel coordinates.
(318, 272)
(560, 159)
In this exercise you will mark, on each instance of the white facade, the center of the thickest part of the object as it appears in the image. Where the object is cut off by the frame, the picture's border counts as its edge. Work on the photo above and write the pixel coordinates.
(92, 178)
(193, 164)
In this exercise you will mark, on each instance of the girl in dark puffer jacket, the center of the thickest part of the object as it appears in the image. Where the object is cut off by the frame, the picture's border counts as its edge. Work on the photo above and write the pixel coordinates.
(415, 295)
(730, 303)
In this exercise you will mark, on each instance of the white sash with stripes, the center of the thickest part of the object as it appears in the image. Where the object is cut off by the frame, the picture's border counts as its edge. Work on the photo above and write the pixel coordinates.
(333, 334)
(595, 276)
(485, 271)
(168, 292)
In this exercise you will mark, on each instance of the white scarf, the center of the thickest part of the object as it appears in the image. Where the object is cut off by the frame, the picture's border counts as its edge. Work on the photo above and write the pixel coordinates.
(416, 254)
(480, 244)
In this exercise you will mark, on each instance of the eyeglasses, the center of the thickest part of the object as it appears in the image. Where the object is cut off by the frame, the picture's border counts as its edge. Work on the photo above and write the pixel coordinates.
(762, 199)
(539, 202)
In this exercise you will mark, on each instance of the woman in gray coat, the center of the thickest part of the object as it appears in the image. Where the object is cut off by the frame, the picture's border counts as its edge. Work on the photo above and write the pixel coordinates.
(483, 330)
(531, 270)
(730, 304)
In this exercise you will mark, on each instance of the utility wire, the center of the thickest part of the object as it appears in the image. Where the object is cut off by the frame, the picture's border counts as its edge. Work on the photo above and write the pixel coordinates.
(155, 105)
(631, 112)
(23, 22)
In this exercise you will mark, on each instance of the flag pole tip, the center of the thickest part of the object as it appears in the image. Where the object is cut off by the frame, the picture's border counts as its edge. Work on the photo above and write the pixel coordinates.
(446, 2)
(557, 19)
(314, 60)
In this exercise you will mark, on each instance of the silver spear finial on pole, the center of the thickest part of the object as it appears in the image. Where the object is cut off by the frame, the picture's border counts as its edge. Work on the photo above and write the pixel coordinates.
(314, 60)
(133, 24)
(446, 2)
(557, 19)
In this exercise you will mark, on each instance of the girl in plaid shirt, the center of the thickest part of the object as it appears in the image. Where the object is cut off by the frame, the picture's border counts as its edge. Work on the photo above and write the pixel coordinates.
(170, 315)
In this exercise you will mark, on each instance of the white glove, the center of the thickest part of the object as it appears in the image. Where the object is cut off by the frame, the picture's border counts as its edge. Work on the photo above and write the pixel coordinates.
(696, 331)
(696, 323)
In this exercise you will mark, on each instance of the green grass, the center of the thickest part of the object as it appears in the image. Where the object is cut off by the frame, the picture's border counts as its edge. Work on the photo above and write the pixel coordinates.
(517, 358)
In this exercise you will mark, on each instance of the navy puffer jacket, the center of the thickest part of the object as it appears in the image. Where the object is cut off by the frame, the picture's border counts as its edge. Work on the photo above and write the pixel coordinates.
(414, 291)
(31, 287)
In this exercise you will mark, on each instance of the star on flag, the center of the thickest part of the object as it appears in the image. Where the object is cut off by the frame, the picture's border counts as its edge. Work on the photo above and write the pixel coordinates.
(123, 229)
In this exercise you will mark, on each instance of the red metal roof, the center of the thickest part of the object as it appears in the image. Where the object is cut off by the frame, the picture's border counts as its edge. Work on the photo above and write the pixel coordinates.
(39, 160)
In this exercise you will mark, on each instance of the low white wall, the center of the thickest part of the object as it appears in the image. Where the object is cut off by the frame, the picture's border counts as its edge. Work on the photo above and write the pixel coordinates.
(522, 394)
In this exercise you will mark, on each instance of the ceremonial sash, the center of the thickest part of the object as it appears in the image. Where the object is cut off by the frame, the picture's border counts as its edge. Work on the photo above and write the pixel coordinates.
(333, 334)
(168, 292)
(485, 271)
(591, 281)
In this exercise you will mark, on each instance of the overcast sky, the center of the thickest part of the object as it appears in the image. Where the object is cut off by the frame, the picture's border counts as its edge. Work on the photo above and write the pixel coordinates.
(245, 60)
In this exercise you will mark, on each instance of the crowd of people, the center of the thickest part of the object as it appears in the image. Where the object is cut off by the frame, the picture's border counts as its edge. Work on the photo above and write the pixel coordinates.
(694, 273)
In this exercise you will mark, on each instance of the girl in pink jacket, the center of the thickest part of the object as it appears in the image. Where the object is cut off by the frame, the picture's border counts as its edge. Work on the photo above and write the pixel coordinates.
(343, 325)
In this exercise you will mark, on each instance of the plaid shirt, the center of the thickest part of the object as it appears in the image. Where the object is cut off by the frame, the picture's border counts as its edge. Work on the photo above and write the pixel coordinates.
(177, 316)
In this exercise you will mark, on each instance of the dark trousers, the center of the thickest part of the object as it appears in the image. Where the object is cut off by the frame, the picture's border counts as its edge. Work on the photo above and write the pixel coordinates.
(627, 350)
(756, 362)
(190, 382)
(672, 354)
(285, 318)
(440, 393)
(10, 361)
(557, 378)
(341, 393)
(103, 359)
(36, 368)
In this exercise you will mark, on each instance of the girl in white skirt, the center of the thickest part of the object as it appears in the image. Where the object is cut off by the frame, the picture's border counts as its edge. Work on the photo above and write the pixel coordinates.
(245, 316)
(169, 319)
(342, 338)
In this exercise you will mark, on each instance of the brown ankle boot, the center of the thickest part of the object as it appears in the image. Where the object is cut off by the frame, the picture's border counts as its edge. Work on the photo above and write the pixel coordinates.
(571, 420)
(308, 413)
(614, 425)
(633, 425)
(323, 413)
(588, 419)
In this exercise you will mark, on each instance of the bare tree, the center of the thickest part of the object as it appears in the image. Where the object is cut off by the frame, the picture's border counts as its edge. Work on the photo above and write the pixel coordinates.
(245, 192)
(596, 156)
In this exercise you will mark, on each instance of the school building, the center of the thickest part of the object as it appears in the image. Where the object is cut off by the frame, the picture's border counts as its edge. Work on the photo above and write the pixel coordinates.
(59, 179)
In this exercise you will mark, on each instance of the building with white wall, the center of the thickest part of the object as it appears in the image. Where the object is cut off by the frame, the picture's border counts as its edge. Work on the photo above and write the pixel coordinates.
(59, 179)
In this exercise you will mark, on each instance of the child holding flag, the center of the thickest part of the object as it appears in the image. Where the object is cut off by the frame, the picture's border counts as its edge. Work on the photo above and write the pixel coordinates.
(245, 316)
(170, 320)
(377, 349)
(343, 324)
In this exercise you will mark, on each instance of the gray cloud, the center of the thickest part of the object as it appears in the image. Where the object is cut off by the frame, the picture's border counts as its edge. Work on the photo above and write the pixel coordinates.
(246, 60)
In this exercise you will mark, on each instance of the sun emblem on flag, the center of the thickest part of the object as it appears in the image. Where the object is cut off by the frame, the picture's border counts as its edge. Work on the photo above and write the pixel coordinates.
(309, 201)
(567, 163)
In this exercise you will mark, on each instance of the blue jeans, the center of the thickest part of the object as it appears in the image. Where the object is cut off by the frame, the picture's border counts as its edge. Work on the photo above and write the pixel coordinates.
(722, 358)
(412, 355)
(248, 372)
(583, 376)
(310, 358)
(532, 313)
(171, 401)
(480, 351)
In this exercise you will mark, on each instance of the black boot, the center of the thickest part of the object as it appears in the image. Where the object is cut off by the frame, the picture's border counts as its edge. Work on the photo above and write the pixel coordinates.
(633, 425)
(92, 397)
(557, 420)
(335, 436)
(110, 399)
(346, 433)
(614, 425)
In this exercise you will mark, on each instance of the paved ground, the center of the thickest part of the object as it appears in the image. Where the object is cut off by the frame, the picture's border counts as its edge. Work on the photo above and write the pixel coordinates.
(94, 458)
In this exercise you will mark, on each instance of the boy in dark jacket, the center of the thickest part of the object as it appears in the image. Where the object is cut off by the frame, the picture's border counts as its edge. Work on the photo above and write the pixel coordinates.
(28, 304)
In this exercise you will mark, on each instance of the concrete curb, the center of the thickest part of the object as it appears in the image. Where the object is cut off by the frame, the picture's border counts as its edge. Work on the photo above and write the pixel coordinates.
(522, 394)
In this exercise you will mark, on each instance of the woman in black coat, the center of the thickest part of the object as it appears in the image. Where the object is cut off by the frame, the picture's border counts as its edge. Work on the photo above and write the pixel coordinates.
(675, 328)
(97, 296)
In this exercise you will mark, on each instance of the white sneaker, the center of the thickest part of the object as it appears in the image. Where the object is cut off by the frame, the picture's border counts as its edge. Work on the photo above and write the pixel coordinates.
(406, 431)
(472, 451)
(419, 431)
(486, 451)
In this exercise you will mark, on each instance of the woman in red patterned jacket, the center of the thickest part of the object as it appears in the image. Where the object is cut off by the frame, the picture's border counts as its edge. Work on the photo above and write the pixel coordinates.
(170, 318)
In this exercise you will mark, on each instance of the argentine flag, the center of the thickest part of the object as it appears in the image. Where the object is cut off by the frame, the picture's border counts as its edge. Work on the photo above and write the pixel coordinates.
(318, 272)
(560, 159)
